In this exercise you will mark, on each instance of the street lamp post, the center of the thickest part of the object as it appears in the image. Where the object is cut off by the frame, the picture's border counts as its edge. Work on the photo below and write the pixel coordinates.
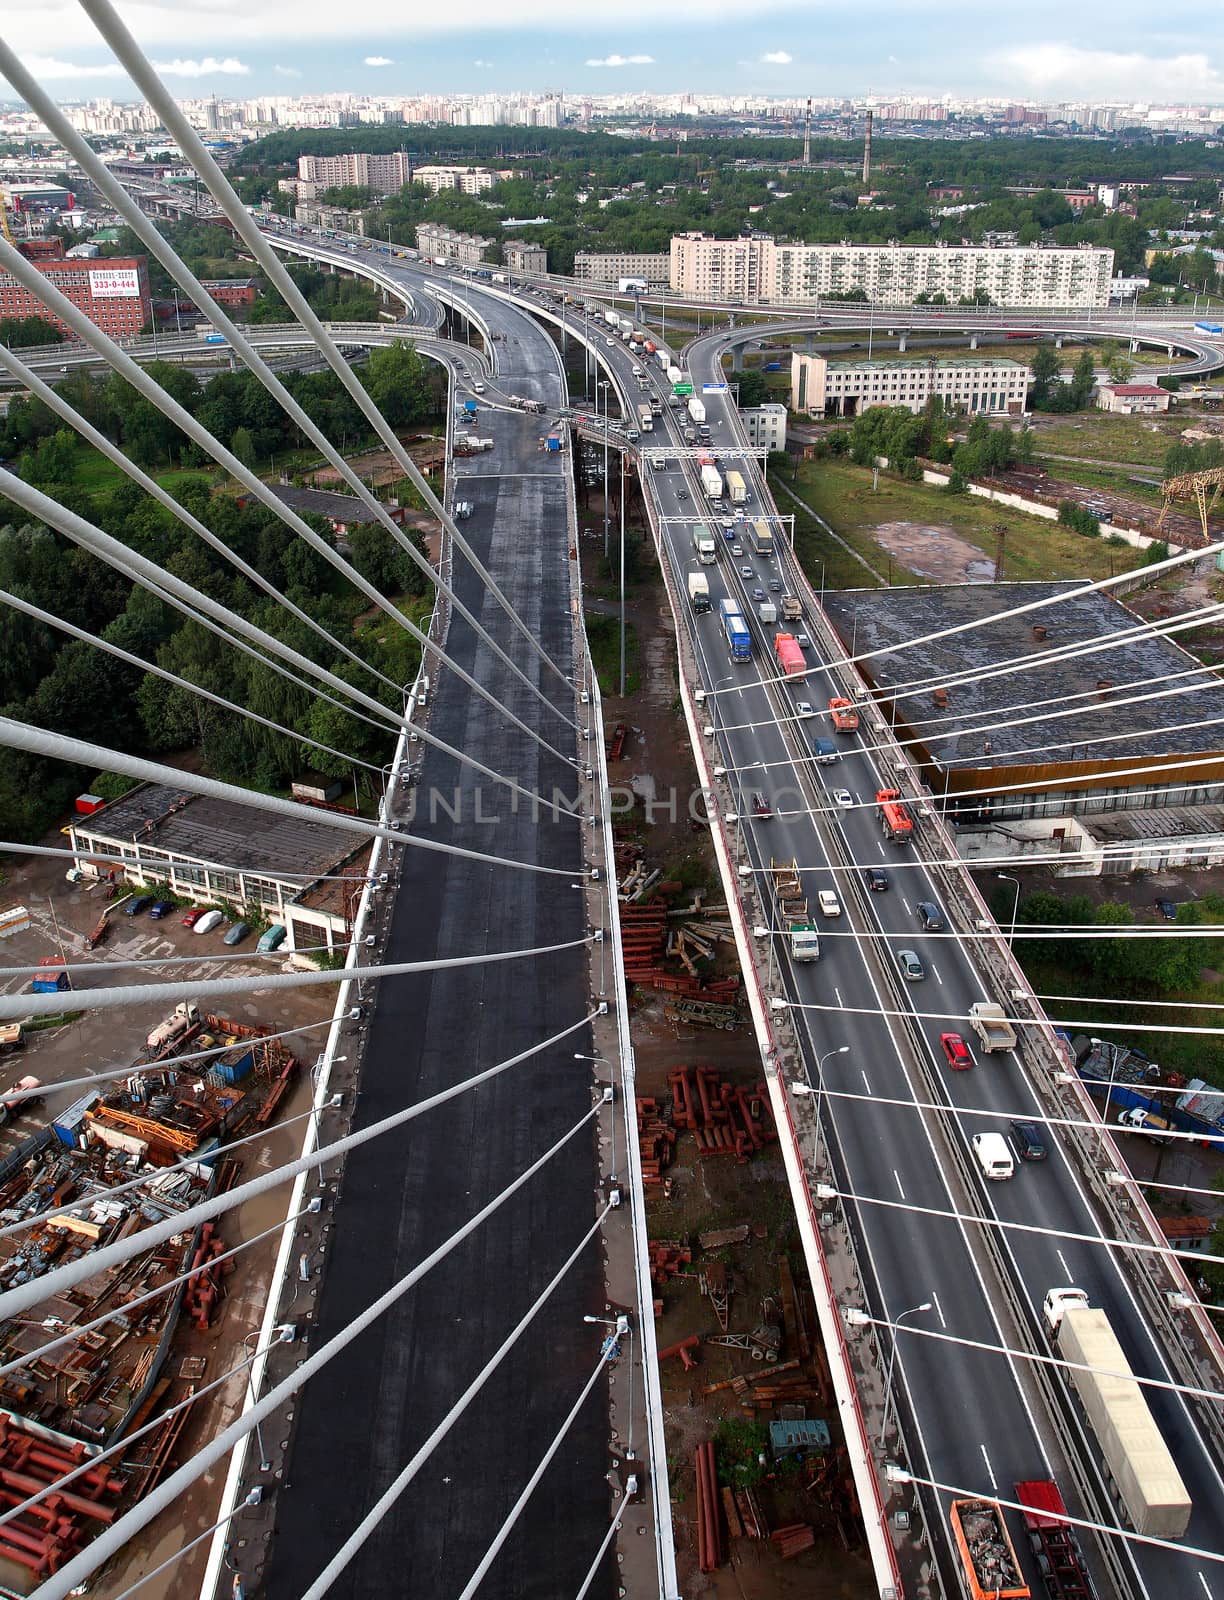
(622, 575)
(1007, 878)
(604, 385)
(892, 1357)
(818, 1092)
(264, 1464)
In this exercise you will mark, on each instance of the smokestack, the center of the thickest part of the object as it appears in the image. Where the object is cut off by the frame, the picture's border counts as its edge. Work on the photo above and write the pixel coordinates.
(867, 152)
(807, 135)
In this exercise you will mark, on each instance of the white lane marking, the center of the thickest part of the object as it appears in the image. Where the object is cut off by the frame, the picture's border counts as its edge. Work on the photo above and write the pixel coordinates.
(881, 849)
(866, 1080)
(897, 1179)
(990, 1471)
(840, 1001)
(1068, 1275)
(938, 1309)
(935, 972)
(909, 910)
(1205, 1584)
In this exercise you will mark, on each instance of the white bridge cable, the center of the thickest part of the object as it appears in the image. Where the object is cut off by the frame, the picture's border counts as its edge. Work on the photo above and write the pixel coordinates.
(19, 1006)
(38, 284)
(54, 401)
(191, 601)
(112, 1539)
(604, 1546)
(263, 958)
(98, 174)
(370, 1522)
(79, 752)
(22, 1297)
(126, 656)
(117, 36)
(529, 1488)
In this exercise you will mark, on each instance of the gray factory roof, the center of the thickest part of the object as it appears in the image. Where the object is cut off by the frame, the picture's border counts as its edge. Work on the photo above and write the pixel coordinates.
(961, 734)
(223, 833)
(346, 508)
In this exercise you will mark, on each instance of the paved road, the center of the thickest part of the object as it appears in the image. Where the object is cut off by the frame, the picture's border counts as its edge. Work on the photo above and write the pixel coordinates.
(994, 1433)
(360, 1424)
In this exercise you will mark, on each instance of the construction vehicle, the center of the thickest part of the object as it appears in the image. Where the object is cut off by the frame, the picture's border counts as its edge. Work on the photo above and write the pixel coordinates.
(790, 657)
(703, 1014)
(802, 939)
(845, 717)
(12, 1037)
(1142, 1473)
(172, 1029)
(792, 609)
(99, 932)
(30, 1090)
(1053, 1541)
(1146, 1120)
(991, 1565)
(894, 819)
(990, 1022)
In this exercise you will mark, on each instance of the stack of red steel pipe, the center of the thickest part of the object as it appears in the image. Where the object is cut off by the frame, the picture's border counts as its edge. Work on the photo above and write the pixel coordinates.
(710, 1546)
(725, 1120)
(657, 1140)
(46, 1536)
(643, 941)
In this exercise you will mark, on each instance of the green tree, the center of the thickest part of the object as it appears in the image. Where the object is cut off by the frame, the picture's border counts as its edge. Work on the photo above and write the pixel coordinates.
(1047, 370)
(1083, 380)
(243, 446)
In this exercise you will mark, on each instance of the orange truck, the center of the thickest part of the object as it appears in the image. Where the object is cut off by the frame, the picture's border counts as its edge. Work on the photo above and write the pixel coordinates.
(790, 657)
(845, 717)
(988, 1556)
(892, 816)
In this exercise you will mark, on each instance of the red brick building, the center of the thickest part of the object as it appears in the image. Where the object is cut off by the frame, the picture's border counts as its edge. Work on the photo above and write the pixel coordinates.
(113, 292)
(232, 291)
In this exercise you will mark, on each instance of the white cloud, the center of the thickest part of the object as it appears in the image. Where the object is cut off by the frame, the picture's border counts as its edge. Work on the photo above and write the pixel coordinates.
(47, 67)
(208, 67)
(777, 58)
(621, 61)
(379, 61)
(479, 63)
(286, 72)
(1056, 69)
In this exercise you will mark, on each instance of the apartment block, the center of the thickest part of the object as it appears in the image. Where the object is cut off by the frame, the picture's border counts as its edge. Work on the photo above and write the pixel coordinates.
(765, 425)
(594, 267)
(992, 386)
(385, 174)
(757, 269)
(519, 256)
(445, 244)
(467, 180)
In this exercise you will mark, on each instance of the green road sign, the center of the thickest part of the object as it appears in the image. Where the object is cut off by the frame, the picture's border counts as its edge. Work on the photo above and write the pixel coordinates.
(682, 388)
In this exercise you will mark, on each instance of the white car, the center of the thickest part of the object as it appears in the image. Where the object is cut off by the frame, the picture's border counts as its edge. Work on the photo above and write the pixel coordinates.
(843, 798)
(804, 708)
(209, 921)
(828, 903)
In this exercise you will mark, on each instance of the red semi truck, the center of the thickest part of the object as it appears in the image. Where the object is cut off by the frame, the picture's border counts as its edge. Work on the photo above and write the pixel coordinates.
(790, 657)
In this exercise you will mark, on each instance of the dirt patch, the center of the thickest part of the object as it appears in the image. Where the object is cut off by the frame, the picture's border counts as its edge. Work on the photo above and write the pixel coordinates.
(929, 551)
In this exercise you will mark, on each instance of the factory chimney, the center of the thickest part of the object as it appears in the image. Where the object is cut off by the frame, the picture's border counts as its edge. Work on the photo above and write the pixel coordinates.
(807, 135)
(867, 153)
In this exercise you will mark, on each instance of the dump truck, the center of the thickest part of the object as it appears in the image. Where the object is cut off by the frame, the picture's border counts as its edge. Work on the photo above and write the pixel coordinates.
(699, 591)
(1145, 1479)
(1053, 1541)
(989, 1021)
(845, 717)
(895, 821)
(790, 658)
(991, 1565)
(1147, 1120)
(711, 482)
(792, 608)
(737, 488)
(801, 935)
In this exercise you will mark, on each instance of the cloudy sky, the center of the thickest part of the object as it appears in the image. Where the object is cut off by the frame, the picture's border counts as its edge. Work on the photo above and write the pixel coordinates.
(1098, 49)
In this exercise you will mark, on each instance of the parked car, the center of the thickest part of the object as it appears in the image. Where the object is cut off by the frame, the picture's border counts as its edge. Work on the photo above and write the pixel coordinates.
(930, 916)
(912, 970)
(160, 909)
(142, 902)
(1027, 1140)
(193, 916)
(237, 933)
(1167, 910)
(877, 878)
(271, 940)
(760, 805)
(956, 1051)
(209, 921)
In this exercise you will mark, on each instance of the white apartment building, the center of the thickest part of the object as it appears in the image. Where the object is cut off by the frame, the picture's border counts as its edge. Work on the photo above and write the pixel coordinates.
(594, 267)
(385, 174)
(467, 180)
(759, 269)
(443, 243)
(989, 385)
(765, 425)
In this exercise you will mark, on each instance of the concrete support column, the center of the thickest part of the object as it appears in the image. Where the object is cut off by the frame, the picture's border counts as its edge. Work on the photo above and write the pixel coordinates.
(901, 346)
(973, 341)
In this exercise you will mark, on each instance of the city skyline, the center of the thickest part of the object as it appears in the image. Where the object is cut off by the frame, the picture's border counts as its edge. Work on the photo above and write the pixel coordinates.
(888, 46)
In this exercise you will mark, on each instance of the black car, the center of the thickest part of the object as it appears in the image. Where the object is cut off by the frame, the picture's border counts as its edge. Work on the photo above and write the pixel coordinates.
(1027, 1139)
(930, 916)
(1167, 910)
(877, 878)
(141, 903)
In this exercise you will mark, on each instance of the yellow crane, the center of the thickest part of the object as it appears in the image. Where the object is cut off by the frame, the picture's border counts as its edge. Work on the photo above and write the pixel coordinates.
(1204, 488)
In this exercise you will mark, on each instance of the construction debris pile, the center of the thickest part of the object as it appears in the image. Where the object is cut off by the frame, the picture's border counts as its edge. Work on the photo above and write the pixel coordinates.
(90, 1358)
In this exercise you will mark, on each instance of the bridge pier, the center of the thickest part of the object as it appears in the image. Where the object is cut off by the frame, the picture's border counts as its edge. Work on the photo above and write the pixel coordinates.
(1058, 342)
(973, 341)
(1134, 347)
(901, 344)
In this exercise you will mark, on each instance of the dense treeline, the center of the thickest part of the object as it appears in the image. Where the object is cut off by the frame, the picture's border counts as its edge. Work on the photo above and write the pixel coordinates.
(73, 688)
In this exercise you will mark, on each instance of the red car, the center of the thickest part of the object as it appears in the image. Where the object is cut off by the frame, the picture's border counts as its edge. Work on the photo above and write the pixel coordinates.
(957, 1052)
(192, 917)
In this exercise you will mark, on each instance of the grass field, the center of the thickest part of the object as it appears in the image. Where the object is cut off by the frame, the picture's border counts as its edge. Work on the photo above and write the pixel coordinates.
(1102, 436)
(842, 494)
(94, 474)
(603, 636)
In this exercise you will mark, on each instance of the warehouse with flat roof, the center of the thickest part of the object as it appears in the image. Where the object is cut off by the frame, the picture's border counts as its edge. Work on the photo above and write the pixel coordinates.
(1000, 731)
(305, 874)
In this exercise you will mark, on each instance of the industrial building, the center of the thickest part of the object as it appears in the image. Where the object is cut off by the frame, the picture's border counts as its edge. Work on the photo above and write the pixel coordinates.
(758, 269)
(1132, 399)
(765, 425)
(113, 294)
(519, 256)
(989, 764)
(306, 875)
(21, 197)
(610, 267)
(844, 388)
(446, 244)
